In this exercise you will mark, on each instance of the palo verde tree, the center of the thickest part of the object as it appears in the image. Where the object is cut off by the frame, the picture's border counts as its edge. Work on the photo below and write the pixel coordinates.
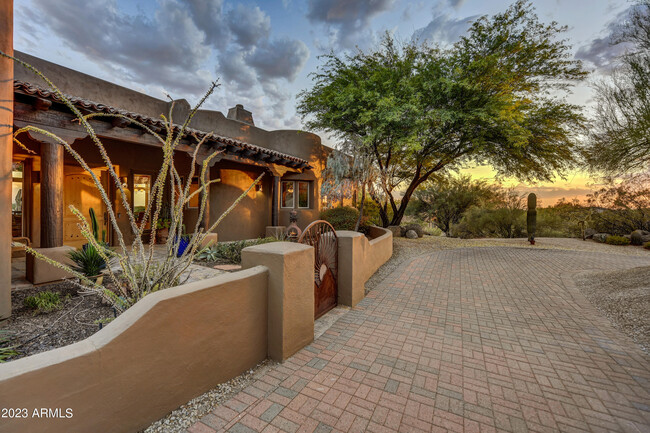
(496, 96)
(620, 138)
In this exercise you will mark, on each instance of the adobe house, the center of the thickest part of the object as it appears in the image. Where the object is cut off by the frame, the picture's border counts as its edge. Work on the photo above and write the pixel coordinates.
(46, 181)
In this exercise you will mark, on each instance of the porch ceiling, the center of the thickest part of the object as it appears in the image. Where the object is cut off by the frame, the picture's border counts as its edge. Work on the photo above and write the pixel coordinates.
(38, 114)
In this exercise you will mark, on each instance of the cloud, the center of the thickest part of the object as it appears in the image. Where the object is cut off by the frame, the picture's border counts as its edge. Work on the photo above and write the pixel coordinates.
(346, 19)
(208, 16)
(444, 29)
(179, 47)
(278, 58)
(166, 50)
(602, 50)
(248, 25)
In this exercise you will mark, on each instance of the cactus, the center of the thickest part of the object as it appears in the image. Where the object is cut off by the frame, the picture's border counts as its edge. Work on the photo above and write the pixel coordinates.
(531, 217)
(636, 237)
(93, 222)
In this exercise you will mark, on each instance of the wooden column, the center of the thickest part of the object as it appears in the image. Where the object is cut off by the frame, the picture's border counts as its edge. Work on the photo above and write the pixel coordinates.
(28, 196)
(275, 217)
(6, 146)
(205, 222)
(51, 194)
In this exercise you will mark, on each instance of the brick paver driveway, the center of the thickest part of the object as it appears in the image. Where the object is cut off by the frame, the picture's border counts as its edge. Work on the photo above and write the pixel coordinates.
(479, 339)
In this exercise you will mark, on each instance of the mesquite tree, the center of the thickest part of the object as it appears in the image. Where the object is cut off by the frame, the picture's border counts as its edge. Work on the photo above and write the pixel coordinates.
(495, 97)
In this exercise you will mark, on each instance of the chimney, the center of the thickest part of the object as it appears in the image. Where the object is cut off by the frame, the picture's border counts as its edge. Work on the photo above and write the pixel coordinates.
(239, 113)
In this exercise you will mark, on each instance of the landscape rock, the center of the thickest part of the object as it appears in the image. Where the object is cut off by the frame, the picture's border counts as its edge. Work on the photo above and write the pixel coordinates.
(397, 231)
(417, 228)
(639, 237)
(411, 234)
(589, 233)
(600, 237)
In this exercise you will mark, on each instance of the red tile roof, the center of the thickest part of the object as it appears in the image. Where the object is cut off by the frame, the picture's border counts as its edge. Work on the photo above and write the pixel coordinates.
(232, 146)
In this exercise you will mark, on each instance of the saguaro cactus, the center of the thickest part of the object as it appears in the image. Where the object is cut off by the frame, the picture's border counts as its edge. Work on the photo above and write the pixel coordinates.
(531, 217)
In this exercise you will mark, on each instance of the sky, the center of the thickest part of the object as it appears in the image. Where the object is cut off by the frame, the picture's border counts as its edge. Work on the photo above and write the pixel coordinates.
(263, 52)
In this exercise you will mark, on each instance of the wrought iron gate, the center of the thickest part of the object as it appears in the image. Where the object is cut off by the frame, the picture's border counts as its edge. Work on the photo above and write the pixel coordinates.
(321, 235)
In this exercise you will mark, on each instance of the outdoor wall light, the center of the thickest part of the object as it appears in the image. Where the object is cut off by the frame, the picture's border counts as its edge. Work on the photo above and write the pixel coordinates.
(125, 181)
(258, 187)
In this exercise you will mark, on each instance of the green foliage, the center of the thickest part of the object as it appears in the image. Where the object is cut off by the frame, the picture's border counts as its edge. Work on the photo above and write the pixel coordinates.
(6, 351)
(230, 251)
(624, 205)
(447, 199)
(88, 261)
(617, 240)
(636, 237)
(493, 97)
(44, 302)
(482, 222)
(341, 218)
(620, 137)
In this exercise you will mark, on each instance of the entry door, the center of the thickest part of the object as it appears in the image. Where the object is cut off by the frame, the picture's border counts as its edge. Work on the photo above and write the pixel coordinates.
(80, 191)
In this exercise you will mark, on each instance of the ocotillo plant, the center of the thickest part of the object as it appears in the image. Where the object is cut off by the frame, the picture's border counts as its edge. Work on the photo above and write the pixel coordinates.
(531, 217)
(140, 273)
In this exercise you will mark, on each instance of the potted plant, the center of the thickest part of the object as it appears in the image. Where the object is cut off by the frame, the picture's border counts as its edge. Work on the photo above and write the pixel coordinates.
(162, 230)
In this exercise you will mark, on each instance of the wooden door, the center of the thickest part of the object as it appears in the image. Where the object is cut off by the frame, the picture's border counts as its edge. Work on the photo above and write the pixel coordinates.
(80, 191)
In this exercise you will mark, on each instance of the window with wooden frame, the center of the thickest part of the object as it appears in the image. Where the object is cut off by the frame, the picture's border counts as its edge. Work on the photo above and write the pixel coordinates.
(303, 195)
(288, 194)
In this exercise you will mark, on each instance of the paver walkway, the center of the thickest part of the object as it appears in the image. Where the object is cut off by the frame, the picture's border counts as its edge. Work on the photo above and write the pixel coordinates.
(480, 339)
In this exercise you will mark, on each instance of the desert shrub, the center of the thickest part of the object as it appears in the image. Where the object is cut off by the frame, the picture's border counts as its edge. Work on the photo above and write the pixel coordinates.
(6, 351)
(433, 231)
(617, 240)
(341, 218)
(230, 251)
(479, 222)
(646, 245)
(446, 200)
(43, 302)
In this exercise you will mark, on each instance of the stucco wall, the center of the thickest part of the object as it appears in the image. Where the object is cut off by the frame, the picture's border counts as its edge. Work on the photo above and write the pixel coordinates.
(359, 258)
(168, 348)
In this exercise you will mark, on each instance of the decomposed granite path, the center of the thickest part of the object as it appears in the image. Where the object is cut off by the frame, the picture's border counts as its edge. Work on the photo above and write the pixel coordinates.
(470, 339)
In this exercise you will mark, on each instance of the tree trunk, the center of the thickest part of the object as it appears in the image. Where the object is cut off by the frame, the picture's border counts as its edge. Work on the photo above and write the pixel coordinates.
(363, 199)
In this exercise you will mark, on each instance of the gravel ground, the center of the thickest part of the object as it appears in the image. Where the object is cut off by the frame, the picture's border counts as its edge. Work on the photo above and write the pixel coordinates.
(624, 298)
(36, 332)
(192, 411)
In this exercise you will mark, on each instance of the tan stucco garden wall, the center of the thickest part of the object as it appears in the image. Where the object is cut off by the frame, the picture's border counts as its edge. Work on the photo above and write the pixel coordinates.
(168, 348)
(359, 258)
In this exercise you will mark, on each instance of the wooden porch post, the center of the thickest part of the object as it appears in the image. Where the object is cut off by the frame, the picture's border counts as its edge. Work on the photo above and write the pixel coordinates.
(275, 218)
(51, 194)
(6, 147)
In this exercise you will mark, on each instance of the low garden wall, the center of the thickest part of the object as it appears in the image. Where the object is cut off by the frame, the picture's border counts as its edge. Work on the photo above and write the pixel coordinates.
(168, 348)
(178, 343)
(359, 258)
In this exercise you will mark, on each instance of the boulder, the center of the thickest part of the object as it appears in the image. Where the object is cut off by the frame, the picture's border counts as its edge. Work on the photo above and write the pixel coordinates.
(589, 233)
(600, 237)
(417, 228)
(397, 231)
(411, 234)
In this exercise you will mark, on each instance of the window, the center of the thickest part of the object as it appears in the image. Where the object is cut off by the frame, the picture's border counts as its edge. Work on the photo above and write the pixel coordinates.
(303, 195)
(288, 195)
(141, 191)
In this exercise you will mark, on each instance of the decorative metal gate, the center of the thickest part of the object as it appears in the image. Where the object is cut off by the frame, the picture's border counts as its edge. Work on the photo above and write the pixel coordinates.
(321, 235)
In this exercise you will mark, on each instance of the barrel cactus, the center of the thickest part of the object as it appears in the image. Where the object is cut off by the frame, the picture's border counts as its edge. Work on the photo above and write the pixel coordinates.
(531, 217)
